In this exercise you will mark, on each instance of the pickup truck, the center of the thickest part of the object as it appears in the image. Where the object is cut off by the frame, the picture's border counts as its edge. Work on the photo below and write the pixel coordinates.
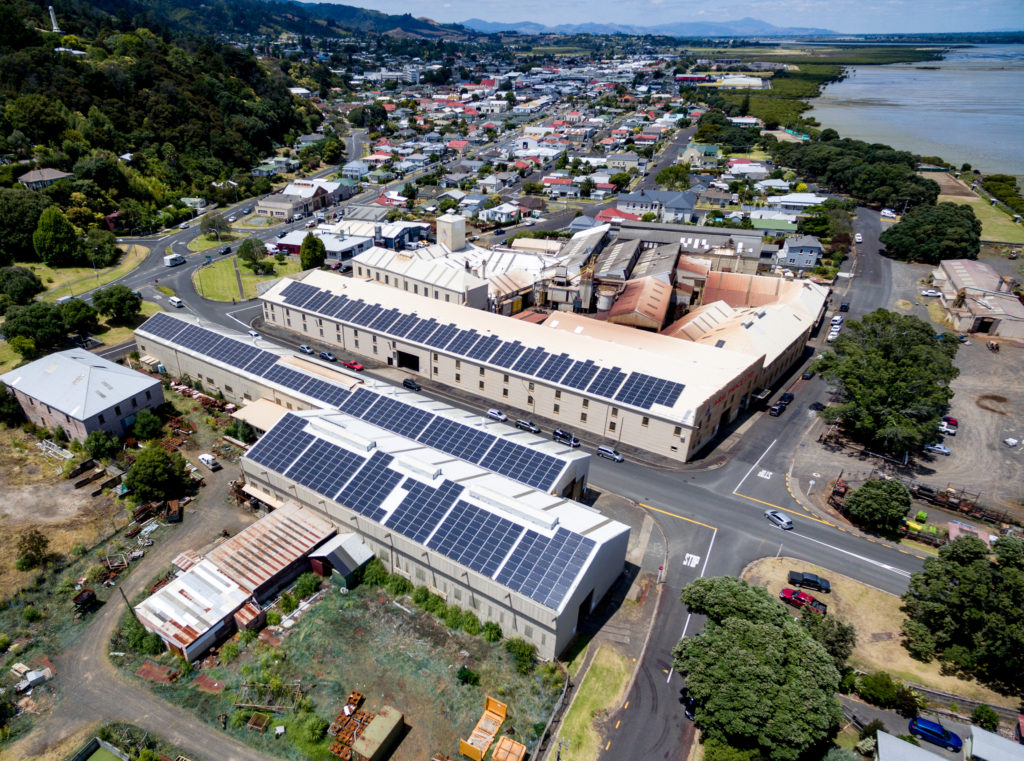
(802, 600)
(810, 581)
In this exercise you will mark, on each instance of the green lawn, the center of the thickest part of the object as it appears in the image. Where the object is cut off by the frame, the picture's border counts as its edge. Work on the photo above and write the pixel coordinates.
(755, 155)
(249, 280)
(601, 691)
(218, 281)
(996, 225)
(201, 243)
(71, 281)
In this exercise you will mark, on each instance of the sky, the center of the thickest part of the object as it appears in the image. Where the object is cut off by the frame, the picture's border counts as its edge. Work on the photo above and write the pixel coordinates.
(851, 16)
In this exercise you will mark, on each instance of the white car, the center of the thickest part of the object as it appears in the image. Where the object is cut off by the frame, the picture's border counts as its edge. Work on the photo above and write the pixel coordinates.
(858, 238)
(498, 415)
(938, 449)
(832, 336)
(931, 292)
(232, 219)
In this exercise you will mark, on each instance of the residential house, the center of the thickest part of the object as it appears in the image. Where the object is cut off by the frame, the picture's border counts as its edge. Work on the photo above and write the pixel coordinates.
(38, 179)
(797, 202)
(623, 162)
(699, 156)
(355, 170)
(490, 184)
(801, 253)
(502, 214)
(666, 205)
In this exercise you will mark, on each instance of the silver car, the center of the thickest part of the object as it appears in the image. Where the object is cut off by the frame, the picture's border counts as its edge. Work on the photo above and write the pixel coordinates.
(779, 519)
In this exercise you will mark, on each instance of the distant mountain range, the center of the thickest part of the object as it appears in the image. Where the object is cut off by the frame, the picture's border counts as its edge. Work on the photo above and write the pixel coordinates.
(744, 27)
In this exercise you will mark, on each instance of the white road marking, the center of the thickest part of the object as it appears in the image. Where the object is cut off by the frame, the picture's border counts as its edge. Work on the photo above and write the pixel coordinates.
(765, 474)
(747, 475)
(878, 563)
(690, 561)
(704, 568)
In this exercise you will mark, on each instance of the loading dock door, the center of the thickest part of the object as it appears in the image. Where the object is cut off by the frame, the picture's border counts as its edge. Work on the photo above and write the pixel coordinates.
(409, 361)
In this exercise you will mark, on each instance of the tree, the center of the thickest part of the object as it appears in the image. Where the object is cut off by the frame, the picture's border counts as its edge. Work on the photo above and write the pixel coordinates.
(56, 242)
(930, 234)
(40, 322)
(33, 549)
(892, 374)
(313, 253)
(879, 506)
(620, 180)
(253, 254)
(649, 216)
(587, 187)
(20, 210)
(100, 247)
(212, 225)
(119, 302)
(11, 413)
(147, 425)
(836, 637)
(156, 474)
(674, 177)
(966, 610)
(722, 597)
(78, 316)
(17, 286)
(985, 717)
(100, 445)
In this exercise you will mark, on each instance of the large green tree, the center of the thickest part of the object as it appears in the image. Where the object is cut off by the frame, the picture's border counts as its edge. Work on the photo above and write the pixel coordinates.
(253, 254)
(837, 637)
(930, 234)
(56, 242)
(39, 321)
(17, 286)
(892, 374)
(157, 474)
(313, 253)
(966, 609)
(759, 679)
(674, 177)
(78, 316)
(119, 302)
(20, 210)
(879, 506)
(147, 425)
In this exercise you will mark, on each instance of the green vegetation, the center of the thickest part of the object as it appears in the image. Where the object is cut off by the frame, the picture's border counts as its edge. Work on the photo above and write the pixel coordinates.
(674, 177)
(33, 549)
(157, 474)
(313, 253)
(985, 717)
(930, 234)
(118, 302)
(759, 679)
(880, 689)
(892, 374)
(879, 506)
(600, 691)
(1004, 187)
(996, 224)
(965, 609)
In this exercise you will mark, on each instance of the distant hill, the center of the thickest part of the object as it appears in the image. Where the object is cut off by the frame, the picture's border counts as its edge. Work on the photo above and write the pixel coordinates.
(744, 27)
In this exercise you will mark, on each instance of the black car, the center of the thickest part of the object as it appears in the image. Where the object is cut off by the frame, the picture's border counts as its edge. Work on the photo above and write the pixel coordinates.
(564, 437)
(810, 581)
(526, 425)
(844, 307)
(786, 398)
(410, 384)
(808, 374)
(225, 250)
(776, 409)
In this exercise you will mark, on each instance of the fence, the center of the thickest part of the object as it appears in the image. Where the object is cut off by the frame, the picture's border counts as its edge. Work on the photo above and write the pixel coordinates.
(556, 712)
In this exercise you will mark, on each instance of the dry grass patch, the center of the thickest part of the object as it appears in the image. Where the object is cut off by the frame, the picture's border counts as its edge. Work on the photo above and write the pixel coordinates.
(877, 617)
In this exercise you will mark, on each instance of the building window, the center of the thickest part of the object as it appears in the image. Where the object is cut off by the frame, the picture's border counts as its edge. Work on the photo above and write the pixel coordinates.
(644, 421)
(458, 377)
(558, 394)
(678, 430)
(117, 410)
(436, 295)
(481, 384)
(481, 372)
(675, 448)
(355, 333)
(247, 397)
(148, 396)
(387, 279)
(447, 297)
(611, 426)
(377, 276)
(531, 386)
(435, 370)
(458, 364)
(134, 403)
(416, 289)
(586, 403)
(505, 377)
(355, 344)
(435, 356)
(102, 420)
(504, 393)
(615, 411)
(555, 409)
(321, 332)
(228, 389)
(583, 417)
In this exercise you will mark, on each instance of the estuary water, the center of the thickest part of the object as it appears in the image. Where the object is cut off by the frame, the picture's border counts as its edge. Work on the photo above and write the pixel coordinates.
(970, 108)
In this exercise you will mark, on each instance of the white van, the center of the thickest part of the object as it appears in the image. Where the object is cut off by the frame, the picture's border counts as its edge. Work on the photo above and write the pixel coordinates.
(837, 321)
(176, 302)
(209, 461)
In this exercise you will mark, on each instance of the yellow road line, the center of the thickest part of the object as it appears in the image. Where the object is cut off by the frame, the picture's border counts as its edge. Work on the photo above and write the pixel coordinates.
(680, 517)
(784, 509)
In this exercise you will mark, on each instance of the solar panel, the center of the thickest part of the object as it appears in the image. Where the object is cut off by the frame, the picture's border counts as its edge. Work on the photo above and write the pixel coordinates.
(281, 445)
(641, 390)
(352, 307)
(398, 417)
(545, 568)
(334, 305)
(296, 294)
(423, 508)
(668, 393)
(607, 381)
(523, 464)
(370, 487)
(317, 303)
(440, 337)
(507, 354)
(325, 468)
(530, 360)
(475, 537)
(384, 319)
(580, 374)
(366, 315)
(423, 329)
(163, 326)
(484, 348)
(262, 363)
(456, 439)
(555, 368)
(235, 353)
(359, 402)
(462, 341)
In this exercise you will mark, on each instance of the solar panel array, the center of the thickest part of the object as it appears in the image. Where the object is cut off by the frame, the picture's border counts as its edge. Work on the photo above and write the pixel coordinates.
(465, 441)
(542, 568)
(641, 390)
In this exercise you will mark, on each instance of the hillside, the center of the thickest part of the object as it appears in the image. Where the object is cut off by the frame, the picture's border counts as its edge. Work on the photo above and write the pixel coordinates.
(740, 27)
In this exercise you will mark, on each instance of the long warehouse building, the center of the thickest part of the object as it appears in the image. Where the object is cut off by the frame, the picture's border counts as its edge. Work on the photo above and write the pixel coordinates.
(667, 397)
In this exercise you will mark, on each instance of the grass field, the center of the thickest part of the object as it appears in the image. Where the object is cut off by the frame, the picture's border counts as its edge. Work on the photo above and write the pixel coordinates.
(877, 618)
(201, 243)
(996, 225)
(71, 281)
(601, 691)
(218, 281)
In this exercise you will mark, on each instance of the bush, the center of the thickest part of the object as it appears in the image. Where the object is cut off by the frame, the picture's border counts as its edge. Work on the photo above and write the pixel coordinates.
(184, 668)
(397, 585)
(5, 642)
(288, 603)
(138, 640)
(307, 585)
(434, 604)
(228, 652)
(906, 704)
(848, 683)
(871, 729)
(716, 750)
(95, 572)
(77, 550)
(470, 623)
(249, 635)
(31, 614)
(313, 727)
(523, 653)
(492, 632)
(375, 574)
(909, 739)
(420, 595)
(240, 718)
(452, 617)
(465, 676)
(982, 715)
(273, 618)
(878, 689)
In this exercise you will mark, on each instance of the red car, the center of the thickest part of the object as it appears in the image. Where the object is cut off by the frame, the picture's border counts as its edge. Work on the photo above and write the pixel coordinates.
(951, 421)
(351, 365)
(801, 600)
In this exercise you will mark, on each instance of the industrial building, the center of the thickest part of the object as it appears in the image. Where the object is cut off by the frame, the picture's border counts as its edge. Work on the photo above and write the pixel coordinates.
(80, 392)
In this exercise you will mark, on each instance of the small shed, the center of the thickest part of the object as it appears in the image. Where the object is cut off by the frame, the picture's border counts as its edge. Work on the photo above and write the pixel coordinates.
(381, 736)
(345, 554)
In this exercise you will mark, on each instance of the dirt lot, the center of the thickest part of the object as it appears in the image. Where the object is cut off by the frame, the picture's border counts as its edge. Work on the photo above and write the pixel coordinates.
(37, 495)
(950, 185)
(877, 618)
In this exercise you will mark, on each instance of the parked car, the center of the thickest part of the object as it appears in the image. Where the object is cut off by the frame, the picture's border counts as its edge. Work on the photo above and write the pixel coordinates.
(858, 238)
(609, 453)
(962, 338)
(183, 226)
(526, 425)
(779, 518)
(776, 409)
(947, 428)
(247, 210)
(938, 449)
(950, 420)
(786, 398)
(328, 356)
(832, 336)
(934, 732)
(305, 349)
(499, 231)
(809, 581)
(224, 250)
(844, 307)
(498, 415)
(837, 320)
(564, 437)
(808, 374)
(351, 364)
(931, 292)
(254, 334)
(794, 597)
(410, 384)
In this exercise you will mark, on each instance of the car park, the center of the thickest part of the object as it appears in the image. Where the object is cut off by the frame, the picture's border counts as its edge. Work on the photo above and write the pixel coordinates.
(779, 518)
(305, 349)
(328, 356)
(931, 292)
(938, 449)
(351, 365)
(564, 437)
(934, 732)
(495, 414)
(776, 409)
(809, 581)
(410, 384)
(609, 453)
(526, 425)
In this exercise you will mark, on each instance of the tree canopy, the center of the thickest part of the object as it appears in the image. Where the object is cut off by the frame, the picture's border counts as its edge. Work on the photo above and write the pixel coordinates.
(39, 322)
(119, 302)
(967, 610)
(78, 316)
(892, 374)
(879, 506)
(313, 253)
(56, 242)
(674, 177)
(18, 286)
(930, 234)
(156, 474)
(760, 680)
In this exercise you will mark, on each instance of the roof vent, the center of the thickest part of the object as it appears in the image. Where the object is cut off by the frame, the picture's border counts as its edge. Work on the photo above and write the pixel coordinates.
(508, 505)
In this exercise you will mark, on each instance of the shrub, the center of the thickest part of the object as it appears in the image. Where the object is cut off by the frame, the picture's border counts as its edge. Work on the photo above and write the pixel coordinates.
(184, 668)
(5, 642)
(716, 750)
(375, 574)
(523, 653)
(434, 604)
(95, 573)
(466, 676)
(247, 636)
(397, 585)
(492, 632)
(273, 618)
(982, 715)
(551, 675)
(871, 729)
(288, 602)
(313, 727)
(910, 739)
(240, 718)
(78, 550)
(452, 617)
(906, 704)
(420, 595)
(307, 585)
(470, 623)
(229, 652)
(31, 614)
(878, 689)
(848, 683)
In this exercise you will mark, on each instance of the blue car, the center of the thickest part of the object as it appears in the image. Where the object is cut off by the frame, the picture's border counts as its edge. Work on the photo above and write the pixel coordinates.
(935, 733)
